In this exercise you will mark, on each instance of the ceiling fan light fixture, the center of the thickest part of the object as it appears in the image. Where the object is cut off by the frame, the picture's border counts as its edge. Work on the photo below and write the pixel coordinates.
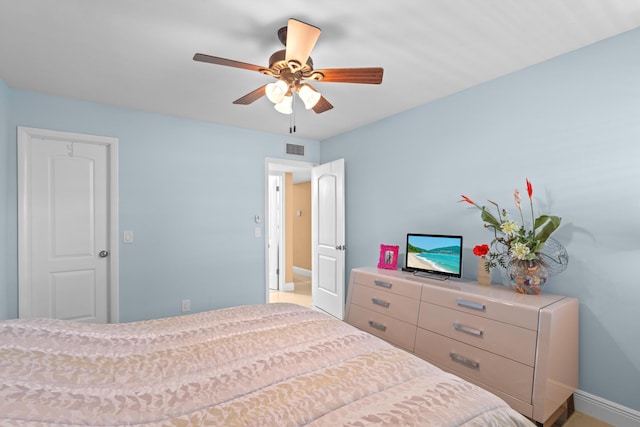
(309, 96)
(285, 106)
(276, 92)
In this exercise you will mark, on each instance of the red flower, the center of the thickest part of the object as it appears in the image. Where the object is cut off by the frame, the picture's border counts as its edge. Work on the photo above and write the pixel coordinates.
(468, 200)
(481, 250)
(529, 189)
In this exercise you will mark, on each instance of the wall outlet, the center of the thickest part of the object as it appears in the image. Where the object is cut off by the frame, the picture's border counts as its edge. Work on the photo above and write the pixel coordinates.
(186, 305)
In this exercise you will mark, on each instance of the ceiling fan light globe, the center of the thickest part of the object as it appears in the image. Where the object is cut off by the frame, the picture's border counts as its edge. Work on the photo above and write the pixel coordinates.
(285, 106)
(275, 92)
(309, 96)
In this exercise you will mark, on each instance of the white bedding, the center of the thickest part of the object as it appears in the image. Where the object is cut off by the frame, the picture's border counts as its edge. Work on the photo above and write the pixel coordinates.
(260, 365)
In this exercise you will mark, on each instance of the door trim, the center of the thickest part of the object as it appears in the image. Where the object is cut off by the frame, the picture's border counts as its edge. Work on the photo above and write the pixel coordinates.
(25, 134)
(267, 226)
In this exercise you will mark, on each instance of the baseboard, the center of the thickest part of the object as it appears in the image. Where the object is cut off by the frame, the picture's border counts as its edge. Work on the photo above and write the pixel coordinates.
(287, 287)
(302, 271)
(605, 410)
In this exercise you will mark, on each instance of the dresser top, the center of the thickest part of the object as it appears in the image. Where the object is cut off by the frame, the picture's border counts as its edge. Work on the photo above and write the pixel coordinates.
(494, 292)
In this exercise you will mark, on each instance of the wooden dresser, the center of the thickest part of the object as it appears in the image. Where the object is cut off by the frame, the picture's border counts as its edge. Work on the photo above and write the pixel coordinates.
(523, 348)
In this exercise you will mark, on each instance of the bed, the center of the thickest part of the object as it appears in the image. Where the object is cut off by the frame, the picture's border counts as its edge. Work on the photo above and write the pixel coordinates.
(257, 365)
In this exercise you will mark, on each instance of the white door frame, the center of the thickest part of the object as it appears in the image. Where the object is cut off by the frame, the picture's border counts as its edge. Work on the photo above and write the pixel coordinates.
(280, 285)
(277, 165)
(24, 258)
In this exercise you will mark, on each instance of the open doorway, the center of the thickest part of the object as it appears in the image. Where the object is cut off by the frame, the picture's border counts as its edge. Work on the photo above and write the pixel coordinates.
(288, 231)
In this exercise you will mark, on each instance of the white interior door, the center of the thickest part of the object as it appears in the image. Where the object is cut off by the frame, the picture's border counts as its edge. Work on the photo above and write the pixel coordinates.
(66, 238)
(328, 238)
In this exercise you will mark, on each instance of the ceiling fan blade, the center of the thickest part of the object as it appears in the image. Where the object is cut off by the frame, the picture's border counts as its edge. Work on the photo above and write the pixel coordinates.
(251, 96)
(372, 76)
(301, 38)
(227, 62)
(322, 105)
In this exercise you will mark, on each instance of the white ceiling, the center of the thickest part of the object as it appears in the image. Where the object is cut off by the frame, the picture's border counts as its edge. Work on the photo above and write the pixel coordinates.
(138, 53)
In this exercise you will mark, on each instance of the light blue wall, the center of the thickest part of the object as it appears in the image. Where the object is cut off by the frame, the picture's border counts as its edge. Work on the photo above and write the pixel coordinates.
(189, 190)
(572, 126)
(4, 191)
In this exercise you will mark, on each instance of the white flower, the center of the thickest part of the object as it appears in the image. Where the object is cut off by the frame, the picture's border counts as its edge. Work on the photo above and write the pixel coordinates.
(520, 250)
(509, 228)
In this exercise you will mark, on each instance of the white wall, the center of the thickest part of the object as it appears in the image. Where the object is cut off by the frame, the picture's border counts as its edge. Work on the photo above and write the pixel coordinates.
(571, 126)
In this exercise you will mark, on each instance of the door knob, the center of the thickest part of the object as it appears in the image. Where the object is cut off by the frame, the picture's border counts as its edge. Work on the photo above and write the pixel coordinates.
(103, 254)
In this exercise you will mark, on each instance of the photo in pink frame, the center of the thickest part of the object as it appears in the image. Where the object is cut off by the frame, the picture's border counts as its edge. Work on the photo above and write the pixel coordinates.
(388, 257)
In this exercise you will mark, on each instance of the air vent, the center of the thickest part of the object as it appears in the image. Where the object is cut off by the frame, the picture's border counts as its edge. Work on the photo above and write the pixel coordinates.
(294, 149)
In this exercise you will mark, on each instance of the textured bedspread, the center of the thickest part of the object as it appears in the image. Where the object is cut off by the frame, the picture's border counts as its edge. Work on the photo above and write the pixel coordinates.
(262, 365)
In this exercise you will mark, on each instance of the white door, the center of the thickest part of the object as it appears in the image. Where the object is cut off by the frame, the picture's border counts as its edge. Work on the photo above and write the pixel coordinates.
(274, 233)
(328, 238)
(67, 240)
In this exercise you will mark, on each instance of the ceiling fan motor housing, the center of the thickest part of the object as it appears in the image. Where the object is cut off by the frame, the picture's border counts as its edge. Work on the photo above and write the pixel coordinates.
(290, 71)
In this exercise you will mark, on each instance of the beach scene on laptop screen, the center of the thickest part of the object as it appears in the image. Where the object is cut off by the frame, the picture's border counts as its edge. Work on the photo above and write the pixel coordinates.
(434, 254)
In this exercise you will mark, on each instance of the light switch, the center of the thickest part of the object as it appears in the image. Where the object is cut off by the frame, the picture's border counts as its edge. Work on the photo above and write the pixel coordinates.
(257, 232)
(127, 236)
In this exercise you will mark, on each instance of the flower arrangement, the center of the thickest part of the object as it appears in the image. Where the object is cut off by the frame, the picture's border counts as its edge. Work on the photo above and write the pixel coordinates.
(513, 240)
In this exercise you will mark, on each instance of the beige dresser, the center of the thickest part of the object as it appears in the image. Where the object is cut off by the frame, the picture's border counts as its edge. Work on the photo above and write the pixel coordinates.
(523, 348)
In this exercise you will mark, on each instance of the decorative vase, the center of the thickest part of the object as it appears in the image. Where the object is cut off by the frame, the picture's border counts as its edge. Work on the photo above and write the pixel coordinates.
(484, 277)
(527, 276)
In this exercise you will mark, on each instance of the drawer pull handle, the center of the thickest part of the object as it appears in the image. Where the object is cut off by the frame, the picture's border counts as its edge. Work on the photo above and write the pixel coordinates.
(380, 302)
(469, 304)
(463, 360)
(383, 284)
(377, 326)
(467, 329)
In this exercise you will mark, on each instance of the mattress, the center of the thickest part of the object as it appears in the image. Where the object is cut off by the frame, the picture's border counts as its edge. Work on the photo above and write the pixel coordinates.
(258, 365)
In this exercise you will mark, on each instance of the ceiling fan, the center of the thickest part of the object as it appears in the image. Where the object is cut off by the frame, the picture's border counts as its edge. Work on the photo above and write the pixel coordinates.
(291, 67)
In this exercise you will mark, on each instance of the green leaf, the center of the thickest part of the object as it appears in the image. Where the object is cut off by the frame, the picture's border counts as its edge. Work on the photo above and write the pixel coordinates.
(537, 247)
(549, 224)
(487, 217)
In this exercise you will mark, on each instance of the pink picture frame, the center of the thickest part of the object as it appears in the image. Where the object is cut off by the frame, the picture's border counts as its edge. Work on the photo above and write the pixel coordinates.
(388, 257)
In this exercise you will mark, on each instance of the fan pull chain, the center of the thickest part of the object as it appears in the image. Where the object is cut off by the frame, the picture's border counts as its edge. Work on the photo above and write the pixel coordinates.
(292, 118)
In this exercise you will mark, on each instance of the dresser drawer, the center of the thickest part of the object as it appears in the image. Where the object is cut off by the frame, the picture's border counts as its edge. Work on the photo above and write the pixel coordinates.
(496, 309)
(513, 378)
(394, 305)
(507, 340)
(390, 284)
(389, 329)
